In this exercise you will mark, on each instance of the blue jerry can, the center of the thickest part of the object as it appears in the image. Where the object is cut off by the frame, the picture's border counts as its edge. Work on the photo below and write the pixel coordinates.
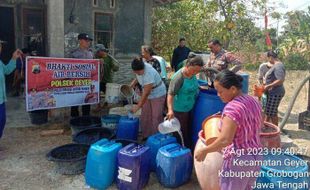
(174, 165)
(128, 128)
(155, 142)
(101, 164)
(133, 167)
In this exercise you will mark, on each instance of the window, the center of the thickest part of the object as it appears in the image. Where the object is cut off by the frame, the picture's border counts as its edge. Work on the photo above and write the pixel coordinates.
(104, 29)
(33, 30)
(112, 4)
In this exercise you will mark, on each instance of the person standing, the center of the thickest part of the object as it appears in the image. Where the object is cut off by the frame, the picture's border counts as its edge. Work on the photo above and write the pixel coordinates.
(239, 133)
(107, 66)
(82, 52)
(152, 99)
(19, 74)
(5, 69)
(274, 87)
(147, 54)
(180, 53)
(182, 93)
(220, 59)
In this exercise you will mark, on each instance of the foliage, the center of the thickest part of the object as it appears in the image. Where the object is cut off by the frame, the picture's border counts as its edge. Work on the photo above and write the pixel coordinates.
(227, 20)
(296, 62)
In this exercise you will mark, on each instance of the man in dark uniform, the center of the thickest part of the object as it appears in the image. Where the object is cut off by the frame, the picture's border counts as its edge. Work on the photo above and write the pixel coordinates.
(180, 53)
(82, 52)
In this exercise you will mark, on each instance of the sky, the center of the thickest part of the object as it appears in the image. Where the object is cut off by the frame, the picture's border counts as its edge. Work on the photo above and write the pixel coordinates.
(283, 6)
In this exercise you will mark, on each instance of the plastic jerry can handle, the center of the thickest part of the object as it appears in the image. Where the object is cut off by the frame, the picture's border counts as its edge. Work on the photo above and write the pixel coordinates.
(174, 149)
(136, 149)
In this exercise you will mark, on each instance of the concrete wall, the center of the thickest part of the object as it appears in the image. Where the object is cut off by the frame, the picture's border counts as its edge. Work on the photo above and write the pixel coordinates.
(131, 28)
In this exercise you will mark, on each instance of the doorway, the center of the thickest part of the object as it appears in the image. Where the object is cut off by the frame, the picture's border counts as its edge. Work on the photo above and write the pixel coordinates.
(7, 33)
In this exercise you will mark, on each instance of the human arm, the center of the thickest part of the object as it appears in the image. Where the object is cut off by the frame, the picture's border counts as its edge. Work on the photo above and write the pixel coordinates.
(279, 73)
(174, 59)
(229, 128)
(273, 84)
(133, 83)
(260, 74)
(146, 92)
(174, 87)
(232, 59)
(170, 113)
(9, 68)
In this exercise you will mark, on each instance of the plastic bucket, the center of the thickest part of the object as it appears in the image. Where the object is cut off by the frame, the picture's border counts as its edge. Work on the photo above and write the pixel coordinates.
(110, 121)
(92, 135)
(126, 91)
(112, 95)
(80, 123)
(259, 90)
(207, 171)
(270, 136)
(210, 128)
(69, 159)
(122, 111)
(38, 117)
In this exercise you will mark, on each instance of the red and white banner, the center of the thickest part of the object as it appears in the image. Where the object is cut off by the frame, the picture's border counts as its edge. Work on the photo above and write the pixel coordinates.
(61, 82)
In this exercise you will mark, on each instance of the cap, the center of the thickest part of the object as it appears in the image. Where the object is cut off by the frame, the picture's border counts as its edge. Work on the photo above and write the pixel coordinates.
(84, 36)
(101, 47)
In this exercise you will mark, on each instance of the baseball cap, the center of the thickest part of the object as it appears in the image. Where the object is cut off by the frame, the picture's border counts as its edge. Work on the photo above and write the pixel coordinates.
(101, 47)
(84, 36)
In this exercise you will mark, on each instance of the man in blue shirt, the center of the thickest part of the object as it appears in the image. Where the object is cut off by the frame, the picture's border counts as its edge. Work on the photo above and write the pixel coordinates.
(180, 53)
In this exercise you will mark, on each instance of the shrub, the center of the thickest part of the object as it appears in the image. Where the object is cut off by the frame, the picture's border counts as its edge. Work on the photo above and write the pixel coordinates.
(296, 62)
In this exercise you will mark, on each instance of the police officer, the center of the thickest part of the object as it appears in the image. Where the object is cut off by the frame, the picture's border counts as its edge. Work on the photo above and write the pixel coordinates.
(82, 52)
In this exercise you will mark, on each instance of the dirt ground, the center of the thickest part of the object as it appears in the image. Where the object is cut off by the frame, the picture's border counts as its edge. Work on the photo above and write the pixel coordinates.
(23, 164)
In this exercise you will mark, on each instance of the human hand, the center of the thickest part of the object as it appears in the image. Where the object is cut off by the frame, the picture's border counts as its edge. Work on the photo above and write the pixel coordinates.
(134, 109)
(200, 154)
(170, 115)
(267, 88)
(17, 53)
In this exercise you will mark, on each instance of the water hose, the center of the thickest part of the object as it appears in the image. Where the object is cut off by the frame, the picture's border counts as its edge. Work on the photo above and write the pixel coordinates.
(291, 104)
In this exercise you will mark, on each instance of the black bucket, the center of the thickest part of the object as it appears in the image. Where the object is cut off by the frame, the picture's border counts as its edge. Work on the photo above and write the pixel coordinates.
(38, 117)
(92, 135)
(78, 124)
(70, 159)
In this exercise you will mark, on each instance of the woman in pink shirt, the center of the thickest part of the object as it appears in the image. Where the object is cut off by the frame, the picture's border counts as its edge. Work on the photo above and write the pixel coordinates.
(239, 137)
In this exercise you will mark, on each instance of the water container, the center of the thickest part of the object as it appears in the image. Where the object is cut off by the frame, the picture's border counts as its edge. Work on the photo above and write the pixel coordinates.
(207, 103)
(101, 164)
(155, 142)
(127, 128)
(112, 95)
(110, 121)
(281, 171)
(78, 124)
(169, 126)
(270, 136)
(174, 165)
(92, 135)
(69, 159)
(133, 167)
(207, 171)
(245, 82)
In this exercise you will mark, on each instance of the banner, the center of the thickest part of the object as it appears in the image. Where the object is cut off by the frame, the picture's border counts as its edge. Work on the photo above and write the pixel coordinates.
(61, 82)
